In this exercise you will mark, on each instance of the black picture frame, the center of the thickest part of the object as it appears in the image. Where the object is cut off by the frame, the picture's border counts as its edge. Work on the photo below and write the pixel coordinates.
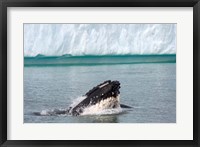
(4, 4)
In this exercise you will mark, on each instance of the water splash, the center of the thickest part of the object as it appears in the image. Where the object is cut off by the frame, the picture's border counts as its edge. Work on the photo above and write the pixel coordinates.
(91, 111)
(52, 112)
(99, 39)
(102, 108)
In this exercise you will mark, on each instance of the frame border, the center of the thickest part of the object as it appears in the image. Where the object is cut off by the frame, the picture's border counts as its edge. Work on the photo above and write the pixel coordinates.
(99, 3)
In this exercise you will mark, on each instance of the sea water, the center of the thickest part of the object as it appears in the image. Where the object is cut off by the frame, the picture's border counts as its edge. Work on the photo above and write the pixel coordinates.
(148, 84)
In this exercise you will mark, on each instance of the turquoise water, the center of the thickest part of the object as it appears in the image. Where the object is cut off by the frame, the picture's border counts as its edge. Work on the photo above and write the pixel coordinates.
(148, 84)
(68, 60)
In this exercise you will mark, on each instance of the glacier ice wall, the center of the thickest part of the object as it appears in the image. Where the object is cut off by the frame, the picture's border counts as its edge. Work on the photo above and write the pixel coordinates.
(99, 39)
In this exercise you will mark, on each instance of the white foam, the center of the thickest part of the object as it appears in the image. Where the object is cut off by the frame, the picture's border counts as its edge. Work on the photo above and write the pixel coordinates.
(104, 107)
(45, 113)
(51, 112)
(77, 101)
(90, 111)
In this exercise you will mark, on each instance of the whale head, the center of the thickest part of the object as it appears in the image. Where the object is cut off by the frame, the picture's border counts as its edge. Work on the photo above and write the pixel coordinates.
(105, 93)
(104, 90)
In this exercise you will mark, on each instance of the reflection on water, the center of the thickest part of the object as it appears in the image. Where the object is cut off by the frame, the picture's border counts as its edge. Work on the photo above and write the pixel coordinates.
(105, 119)
(98, 119)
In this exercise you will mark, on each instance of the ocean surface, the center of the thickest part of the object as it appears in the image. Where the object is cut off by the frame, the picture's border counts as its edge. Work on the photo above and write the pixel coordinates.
(148, 84)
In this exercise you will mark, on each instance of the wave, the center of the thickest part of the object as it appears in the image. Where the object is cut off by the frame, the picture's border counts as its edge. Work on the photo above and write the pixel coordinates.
(99, 39)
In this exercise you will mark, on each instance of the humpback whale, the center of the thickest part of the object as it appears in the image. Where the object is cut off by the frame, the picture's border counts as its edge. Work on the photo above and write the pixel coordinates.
(105, 94)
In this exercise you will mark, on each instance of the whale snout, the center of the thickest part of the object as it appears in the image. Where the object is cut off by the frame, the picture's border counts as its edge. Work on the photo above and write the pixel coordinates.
(115, 87)
(115, 83)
